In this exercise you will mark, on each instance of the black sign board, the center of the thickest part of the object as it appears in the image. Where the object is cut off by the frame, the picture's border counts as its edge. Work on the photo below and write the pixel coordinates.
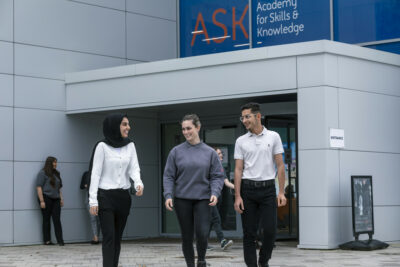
(362, 205)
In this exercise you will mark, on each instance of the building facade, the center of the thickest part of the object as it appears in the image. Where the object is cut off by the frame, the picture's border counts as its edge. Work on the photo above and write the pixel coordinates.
(53, 101)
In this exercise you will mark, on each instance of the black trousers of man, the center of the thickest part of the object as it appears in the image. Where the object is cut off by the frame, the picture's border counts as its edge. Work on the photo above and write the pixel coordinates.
(52, 210)
(114, 206)
(259, 200)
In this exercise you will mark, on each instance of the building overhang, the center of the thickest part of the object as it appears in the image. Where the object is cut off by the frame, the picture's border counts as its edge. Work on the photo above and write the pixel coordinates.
(247, 73)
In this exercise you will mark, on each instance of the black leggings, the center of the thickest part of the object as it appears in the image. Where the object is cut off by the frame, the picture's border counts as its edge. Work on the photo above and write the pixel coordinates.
(193, 215)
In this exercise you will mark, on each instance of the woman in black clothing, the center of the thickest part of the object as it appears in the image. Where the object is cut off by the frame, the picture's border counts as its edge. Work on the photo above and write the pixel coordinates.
(48, 186)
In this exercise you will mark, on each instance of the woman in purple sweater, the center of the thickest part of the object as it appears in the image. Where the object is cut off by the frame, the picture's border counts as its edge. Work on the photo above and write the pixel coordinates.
(193, 179)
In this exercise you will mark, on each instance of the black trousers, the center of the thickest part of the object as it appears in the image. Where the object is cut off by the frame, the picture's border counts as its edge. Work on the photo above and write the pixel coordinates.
(52, 210)
(114, 206)
(193, 215)
(216, 223)
(259, 210)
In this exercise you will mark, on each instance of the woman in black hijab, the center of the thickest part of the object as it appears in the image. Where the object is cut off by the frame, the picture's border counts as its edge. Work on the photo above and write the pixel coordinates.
(114, 164)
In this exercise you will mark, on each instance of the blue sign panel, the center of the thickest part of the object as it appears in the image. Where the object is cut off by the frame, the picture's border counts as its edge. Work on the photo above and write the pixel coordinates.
(211, 26)
(289, 21)
(360, 21)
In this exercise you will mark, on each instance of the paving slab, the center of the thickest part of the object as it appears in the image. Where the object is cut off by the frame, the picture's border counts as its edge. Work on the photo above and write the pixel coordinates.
(167, 252)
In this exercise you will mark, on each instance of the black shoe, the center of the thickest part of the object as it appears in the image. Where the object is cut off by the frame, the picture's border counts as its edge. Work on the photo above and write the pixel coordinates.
(95, 242)
(48, 243)
(225, 244)
(201, 264)
(263, 264)
(61, 243)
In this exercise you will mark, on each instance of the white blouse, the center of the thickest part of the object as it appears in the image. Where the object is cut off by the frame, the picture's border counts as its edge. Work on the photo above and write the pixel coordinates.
(112, 168)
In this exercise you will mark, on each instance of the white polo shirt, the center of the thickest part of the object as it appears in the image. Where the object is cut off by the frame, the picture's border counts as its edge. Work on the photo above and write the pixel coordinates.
(257, 152)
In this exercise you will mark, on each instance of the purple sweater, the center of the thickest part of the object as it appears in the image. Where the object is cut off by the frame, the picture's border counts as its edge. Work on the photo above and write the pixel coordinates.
(193, 172)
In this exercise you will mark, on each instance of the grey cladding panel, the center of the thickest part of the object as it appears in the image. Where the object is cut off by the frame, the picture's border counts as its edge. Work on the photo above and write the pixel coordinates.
(54, 63)
(150, 39)
(6, 20)
(6, 90)
(71, 26)
(370, 121)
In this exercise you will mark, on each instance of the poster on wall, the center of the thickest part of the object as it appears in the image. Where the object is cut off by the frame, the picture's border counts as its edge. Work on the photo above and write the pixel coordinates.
(209, 26)
(362, 204)
(277, 22)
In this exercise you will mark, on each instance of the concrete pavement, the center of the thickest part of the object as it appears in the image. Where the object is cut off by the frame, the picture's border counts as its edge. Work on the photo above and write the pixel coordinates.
(167, 252)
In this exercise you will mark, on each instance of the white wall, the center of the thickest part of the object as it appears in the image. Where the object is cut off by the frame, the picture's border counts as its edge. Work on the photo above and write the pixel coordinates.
(40, 41)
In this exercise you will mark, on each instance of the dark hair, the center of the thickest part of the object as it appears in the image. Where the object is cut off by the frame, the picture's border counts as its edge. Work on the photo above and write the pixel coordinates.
(192, 117)
(50, 171)
(254, 107)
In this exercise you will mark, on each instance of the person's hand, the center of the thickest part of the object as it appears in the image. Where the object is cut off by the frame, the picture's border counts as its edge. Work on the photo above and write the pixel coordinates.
(281, 200)
(62, 202)
(42, 205)
(139, 190)
(239, 207)
(213, 200)
(168, 204)
(94, 210)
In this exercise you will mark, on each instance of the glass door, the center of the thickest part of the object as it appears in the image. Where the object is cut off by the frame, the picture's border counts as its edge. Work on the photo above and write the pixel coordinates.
(286, 127)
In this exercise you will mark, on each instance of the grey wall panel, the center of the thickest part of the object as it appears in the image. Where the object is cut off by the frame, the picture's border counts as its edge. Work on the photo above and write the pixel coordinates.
(69, 25)
(317, 112)
(6, 229)
(205, 83)
(6, 20)
(6, 133)
(6, 90)
(28, 227)
(25, 194)
(143, 222)
(368, 76)
(151, 191)
(156, 8)
(130, 62)
(346, 225)
(54, 63)
(317, 70)
(145, 36)
(69, 138)
(116, 4)
(319, 227)
(6, 185)
(39, 93)
(71, 174)
(6, 55)
(370, 121)
(319, 169)
(384, 168)
(76, 225)
(387, 221)
(144, 133)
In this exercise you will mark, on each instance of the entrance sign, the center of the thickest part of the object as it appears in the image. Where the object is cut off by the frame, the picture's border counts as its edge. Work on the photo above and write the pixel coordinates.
(277, 22)
(362, 205)
(336, 138)
(210, 26)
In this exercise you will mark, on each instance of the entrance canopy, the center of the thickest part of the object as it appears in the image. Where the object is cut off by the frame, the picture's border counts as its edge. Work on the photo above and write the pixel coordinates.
(275, 70)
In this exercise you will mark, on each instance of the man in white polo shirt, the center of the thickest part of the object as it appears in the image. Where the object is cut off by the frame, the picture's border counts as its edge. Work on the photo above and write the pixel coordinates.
(255, 194)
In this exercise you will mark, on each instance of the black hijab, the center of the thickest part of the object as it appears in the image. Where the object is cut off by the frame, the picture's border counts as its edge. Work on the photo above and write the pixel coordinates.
(112, 131)
(112, 137)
